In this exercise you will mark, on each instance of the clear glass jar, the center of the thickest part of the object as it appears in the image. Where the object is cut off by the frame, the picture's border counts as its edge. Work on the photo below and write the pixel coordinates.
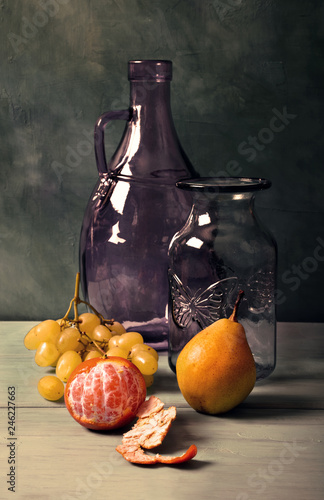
(223, 248)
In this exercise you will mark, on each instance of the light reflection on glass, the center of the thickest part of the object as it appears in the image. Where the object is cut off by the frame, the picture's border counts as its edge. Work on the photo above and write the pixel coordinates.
(114, 238)
(119, 196)
(204, 219)
(135, 136)
(195, 242)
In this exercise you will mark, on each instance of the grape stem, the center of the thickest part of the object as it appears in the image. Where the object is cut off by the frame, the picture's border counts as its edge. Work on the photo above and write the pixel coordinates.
(66, 315)
(76, 297)
(95, 343)
(75, 302)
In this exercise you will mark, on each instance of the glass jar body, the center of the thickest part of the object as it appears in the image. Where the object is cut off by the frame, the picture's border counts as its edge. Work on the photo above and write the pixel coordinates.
(221, 249)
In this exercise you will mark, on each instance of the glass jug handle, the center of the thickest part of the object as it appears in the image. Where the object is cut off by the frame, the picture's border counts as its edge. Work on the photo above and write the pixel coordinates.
(99, 136)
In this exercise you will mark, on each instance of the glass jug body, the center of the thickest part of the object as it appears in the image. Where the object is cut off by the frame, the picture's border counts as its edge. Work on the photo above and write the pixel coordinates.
(135, 209)
(221, 249)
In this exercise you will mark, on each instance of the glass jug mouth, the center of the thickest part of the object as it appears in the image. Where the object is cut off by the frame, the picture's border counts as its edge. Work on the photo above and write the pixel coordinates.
(224, 184)
(155, 70)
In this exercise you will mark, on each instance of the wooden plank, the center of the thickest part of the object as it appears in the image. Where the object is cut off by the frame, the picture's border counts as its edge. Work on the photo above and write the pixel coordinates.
(12, 334)
(250, 454)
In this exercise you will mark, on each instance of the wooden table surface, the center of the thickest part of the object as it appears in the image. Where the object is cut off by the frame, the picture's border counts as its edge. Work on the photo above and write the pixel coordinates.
(270, 447)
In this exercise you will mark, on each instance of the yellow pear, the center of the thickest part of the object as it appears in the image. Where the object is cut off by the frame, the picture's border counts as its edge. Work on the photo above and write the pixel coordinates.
(216, 370)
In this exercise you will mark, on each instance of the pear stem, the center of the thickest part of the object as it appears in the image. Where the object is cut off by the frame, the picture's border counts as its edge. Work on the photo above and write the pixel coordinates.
(233, 316)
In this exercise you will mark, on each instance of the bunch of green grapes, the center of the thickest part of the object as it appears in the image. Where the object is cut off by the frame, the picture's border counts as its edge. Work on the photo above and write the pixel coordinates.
(64, 344)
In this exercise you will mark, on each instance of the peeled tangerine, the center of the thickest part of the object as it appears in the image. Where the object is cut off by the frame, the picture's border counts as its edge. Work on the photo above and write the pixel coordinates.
(105, 393)
(216, 370)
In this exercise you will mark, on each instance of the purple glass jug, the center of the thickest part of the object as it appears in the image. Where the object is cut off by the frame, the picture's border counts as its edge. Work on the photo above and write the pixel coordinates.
(135, 208)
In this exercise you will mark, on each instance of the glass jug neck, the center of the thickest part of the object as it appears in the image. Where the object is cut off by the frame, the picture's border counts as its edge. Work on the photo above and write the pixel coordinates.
(151, 96)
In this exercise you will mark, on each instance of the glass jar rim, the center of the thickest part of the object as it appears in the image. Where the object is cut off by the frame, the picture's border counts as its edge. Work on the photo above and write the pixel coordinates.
(224, 184)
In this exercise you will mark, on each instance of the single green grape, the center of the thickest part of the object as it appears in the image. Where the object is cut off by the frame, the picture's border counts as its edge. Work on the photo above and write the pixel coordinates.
(92, 354)
(50, 387)
(67, 362)
(117, 351)
(47, 330)
(127, 340)
(46, 354)
(114, 341)
(145, 362)
(143, 347)
(68, 340)
(149, 379)
(101, 333)
(116, 328)
(31, 342)
(88, 321)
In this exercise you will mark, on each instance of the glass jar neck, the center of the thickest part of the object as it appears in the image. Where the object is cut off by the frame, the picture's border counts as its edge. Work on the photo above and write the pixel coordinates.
(230, 208)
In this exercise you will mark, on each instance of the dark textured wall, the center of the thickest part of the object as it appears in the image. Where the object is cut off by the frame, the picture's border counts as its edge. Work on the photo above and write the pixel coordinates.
(247, 99)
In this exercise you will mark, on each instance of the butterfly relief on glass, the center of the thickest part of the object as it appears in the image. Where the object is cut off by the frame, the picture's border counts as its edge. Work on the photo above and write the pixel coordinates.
(202, 306)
